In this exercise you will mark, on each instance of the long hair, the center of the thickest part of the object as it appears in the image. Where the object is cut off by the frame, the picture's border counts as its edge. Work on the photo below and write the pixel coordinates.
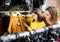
(53, 12)
(38, 12)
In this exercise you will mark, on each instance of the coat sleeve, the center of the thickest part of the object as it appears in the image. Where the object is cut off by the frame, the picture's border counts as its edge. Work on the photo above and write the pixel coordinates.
(10, 26)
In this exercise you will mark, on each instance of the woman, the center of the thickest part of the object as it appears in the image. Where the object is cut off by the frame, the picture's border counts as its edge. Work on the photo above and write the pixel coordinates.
(35, 19)
(50, 16)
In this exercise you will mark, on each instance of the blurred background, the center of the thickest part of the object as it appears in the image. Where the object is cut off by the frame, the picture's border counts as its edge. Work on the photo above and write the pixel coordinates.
(7, 5)
(55, 3)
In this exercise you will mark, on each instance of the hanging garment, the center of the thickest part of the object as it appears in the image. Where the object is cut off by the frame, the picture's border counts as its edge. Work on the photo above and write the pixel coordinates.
(22, 19)
(15, 25)
(5, 22)
(1, 28)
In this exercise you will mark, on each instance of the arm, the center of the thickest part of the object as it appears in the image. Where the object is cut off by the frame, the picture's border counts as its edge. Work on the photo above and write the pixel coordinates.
(25, 24)
(27, 16)
(28, 27)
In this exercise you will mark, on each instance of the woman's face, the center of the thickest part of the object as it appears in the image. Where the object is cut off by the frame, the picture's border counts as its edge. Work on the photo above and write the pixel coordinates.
(47, 16)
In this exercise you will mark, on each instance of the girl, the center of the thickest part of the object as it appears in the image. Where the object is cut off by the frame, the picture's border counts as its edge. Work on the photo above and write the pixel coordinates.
(35, 19)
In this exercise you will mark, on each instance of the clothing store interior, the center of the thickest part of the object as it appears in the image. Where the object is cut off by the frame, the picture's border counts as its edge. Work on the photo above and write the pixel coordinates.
(29, 20)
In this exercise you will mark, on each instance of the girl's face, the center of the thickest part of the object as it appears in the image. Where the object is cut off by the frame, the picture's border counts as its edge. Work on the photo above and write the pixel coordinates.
(47, 16)
(34, 16)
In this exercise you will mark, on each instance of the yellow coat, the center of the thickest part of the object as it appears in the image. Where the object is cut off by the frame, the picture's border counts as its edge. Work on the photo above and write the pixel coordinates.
(29, 20)
(35, 25)
(13, 25)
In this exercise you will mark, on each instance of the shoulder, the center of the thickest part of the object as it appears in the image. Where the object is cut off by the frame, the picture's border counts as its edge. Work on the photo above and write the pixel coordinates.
(42, 23)
(58, 20)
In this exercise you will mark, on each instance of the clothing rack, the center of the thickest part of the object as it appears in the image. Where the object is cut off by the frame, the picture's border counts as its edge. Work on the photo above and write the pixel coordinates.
(11, 11)
(8, 13)
(29, 33)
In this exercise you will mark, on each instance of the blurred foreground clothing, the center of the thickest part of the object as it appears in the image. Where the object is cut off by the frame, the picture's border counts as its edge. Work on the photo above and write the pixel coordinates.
(58, 39)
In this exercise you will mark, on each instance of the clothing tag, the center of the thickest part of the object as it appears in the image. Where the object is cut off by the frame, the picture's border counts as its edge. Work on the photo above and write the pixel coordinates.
(19, 24)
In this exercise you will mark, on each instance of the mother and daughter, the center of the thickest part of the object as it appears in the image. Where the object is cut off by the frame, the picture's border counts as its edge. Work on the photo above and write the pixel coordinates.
(33, 21)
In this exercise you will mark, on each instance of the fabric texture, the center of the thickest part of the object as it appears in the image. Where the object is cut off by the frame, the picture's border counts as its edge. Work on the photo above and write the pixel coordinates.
(36, 25)
(13, 26)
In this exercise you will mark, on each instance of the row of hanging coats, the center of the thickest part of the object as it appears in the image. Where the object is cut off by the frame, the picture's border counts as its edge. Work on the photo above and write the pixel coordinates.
(16, 23)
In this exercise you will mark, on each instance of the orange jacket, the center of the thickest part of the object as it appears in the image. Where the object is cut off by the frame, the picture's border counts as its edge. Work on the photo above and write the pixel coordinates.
(13, 25)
